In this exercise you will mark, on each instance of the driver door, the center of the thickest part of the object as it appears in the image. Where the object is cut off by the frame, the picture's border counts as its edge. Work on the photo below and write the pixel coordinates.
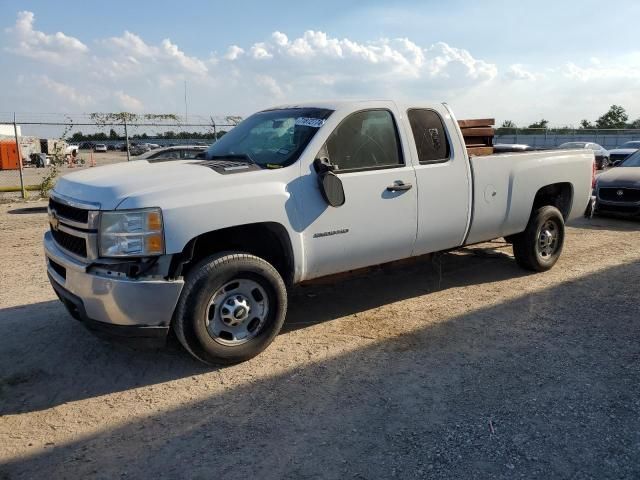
(378, 221)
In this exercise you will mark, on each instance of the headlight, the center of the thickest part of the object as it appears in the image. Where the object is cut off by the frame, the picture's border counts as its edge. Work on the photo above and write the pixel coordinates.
(131, 233)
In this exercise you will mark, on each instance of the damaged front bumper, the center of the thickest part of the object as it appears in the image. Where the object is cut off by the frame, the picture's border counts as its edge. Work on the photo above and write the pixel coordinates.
(112, 305)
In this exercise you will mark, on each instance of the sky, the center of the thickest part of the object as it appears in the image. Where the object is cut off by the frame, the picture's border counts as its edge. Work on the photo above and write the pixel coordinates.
(523, 61)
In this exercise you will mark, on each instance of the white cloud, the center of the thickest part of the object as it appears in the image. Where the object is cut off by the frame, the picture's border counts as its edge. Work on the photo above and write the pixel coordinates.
(127, 72)
(233, 52)
(259, 51)
(66, 94)
(270, 85)
(518, 72)
(127, 102)
(628, 69)
(131, 50)
(57, 48)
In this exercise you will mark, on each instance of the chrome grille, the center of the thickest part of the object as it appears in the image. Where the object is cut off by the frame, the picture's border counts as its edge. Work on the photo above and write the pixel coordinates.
(612, 194)
(67, 211)
(71, 243)
(73, 228)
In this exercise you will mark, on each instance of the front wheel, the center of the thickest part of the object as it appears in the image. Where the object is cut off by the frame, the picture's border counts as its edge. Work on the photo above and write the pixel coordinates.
(540, 245)
(231, 308)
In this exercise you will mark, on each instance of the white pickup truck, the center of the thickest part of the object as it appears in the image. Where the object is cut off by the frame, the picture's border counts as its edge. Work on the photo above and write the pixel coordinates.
(208, 247)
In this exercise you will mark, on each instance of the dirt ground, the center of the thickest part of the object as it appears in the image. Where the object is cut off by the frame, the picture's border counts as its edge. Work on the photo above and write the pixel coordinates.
(463, 366)
(34, 176)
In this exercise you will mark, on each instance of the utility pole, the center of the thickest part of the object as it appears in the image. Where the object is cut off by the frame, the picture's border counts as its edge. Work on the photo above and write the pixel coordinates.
(15, 132)
(126, 139)
(186, 117)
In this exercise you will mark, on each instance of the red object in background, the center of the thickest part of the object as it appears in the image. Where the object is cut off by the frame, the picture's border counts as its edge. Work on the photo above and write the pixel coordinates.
(9, 155)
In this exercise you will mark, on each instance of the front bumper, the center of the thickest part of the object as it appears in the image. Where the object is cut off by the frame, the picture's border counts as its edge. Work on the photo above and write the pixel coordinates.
(122, 307)
(618, 209)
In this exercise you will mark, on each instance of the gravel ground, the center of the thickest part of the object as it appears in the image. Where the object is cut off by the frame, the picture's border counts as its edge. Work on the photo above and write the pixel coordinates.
(34, 176)
(463, 366)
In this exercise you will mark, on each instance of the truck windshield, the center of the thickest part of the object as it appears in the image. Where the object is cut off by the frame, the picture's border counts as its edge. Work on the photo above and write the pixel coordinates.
(272, 138)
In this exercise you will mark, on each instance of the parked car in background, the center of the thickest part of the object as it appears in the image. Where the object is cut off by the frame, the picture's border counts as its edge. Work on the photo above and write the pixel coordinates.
(623, 151)
(138, 148)
(180, 152)
(100, 147)
(512, 147)
(618, 190)
(112, 146)
(86, 145)
(601, 153)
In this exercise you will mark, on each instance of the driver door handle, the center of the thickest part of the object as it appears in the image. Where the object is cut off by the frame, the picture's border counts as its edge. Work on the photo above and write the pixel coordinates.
(399, 186)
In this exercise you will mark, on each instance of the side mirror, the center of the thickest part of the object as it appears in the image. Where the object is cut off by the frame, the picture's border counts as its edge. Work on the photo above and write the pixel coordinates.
(331, 189)
(329, 183)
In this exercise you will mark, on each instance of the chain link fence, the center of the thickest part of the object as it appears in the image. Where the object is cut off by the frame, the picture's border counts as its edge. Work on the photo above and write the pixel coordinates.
(554, 137)
(53, 145)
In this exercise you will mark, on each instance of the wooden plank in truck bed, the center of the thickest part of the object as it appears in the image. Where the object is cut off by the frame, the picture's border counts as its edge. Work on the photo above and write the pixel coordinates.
(478, 131)
(477, 122)
(479, 151)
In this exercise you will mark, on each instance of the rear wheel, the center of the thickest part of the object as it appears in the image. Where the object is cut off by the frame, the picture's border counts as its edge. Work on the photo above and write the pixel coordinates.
(540, 245)
(231, 308)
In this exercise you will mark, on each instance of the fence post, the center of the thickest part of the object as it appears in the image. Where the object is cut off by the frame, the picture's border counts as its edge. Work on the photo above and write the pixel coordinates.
(15, 133)
(126, 138)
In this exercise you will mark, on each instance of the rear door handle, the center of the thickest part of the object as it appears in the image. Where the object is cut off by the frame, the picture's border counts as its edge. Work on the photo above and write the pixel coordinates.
(399, 186)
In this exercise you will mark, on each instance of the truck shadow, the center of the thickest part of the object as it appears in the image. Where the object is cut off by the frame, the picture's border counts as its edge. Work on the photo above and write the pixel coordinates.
(542, 386)
(334, 298)
(48, 359)
(615, 224)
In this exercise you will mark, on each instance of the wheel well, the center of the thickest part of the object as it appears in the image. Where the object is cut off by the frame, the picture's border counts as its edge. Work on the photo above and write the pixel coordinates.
(559, 195)
(268, 240)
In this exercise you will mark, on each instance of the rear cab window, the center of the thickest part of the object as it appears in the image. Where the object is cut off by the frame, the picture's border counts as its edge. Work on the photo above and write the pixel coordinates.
(429, 135)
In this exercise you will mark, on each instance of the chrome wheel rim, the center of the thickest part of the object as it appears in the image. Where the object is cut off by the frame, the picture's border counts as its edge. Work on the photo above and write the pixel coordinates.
(547, 243)
(237, 312)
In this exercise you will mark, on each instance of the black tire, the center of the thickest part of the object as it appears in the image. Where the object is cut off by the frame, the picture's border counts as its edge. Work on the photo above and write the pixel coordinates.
(207, 278)
(526, 245)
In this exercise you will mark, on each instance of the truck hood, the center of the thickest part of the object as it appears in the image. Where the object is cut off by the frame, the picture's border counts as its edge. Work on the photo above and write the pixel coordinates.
(620, 177)
(110, 185)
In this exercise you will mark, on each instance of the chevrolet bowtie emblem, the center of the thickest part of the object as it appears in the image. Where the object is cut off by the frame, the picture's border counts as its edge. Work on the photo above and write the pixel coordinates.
(620, 193)
(53, 220)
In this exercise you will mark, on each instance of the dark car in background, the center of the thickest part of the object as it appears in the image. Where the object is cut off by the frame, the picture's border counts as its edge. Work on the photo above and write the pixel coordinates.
(618, 190)
(623, 151)
(602, 154)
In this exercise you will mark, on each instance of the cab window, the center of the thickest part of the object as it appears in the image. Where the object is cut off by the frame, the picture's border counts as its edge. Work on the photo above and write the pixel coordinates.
(364, 140)
(430, 135)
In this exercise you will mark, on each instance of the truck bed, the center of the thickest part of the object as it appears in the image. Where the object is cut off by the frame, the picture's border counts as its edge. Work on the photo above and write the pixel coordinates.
(496, 177)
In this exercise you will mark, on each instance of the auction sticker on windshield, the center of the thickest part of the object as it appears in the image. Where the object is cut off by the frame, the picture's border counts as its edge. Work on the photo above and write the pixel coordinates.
(310, 122)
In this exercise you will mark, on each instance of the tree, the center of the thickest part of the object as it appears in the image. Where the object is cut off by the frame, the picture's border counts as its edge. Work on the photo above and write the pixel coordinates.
(77, 137)
(508, 124)
(541, 124)
(586, 124)
(113, 135)
(616, 117)
(635, 123)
